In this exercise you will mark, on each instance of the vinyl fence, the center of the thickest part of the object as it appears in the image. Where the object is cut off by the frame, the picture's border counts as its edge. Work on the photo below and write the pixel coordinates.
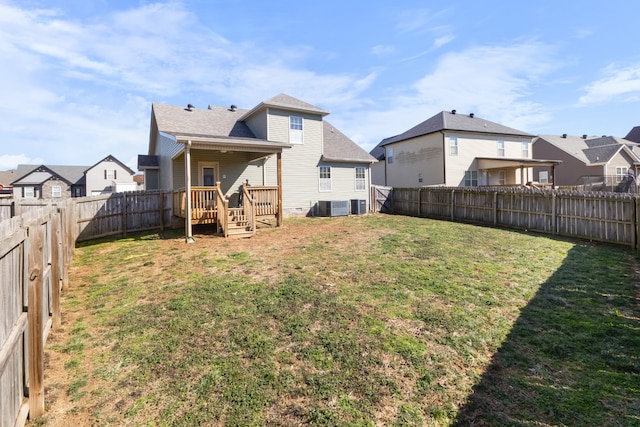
(36, 245)
(604, 217)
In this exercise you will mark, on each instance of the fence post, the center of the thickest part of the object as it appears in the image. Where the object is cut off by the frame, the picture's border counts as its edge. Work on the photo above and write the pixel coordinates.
(124, 214)
(554, 221)
(161, 193)
(55, 268)
(419, 202)
(34, 315)
(453, 205)
(495, 207)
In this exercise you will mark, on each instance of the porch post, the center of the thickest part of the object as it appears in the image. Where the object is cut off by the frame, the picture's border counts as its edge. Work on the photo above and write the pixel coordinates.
(280, 208)
(187, 184)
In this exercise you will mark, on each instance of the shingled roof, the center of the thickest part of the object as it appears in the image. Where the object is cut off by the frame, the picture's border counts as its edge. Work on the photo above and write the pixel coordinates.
(590, 150)
(634, 135)
(228, 122)
(446, 120)
(37, 174)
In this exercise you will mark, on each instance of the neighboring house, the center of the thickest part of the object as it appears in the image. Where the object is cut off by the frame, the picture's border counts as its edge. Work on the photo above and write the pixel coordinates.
(634, 135)
(451, 149)
(292, 159)
(587, 160)
(109, 175)
(49, 182)
(6, 178)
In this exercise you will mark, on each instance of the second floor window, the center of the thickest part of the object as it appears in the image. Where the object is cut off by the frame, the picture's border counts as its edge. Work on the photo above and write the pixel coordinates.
(501, 148)
(295, 130)
(453, 145)
(525, 148)
(389, 155)
(110, 174)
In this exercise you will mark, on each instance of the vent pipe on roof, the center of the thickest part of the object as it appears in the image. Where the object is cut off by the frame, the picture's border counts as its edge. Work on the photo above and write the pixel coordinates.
(232, 108)
(584, 136)
(471, 115)
(190, 107)
(453, 111)
(564, 135)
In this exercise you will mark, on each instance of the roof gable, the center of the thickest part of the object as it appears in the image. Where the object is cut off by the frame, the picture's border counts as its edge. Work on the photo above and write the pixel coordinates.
(285, 102)
(453, 121)
(110, 158)
(590, 150)
(70, 174)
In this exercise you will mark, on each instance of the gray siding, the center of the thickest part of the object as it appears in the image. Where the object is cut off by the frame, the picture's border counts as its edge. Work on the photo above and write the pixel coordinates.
(96, 183)
(166, 149)
(422, 155)
(258, 125)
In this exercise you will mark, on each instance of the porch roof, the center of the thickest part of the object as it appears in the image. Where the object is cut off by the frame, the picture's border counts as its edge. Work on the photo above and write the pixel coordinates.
(221, 143)
(502, 162)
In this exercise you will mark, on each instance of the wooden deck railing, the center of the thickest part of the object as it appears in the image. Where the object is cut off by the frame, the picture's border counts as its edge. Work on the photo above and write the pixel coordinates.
(265, 199)
(205, 203)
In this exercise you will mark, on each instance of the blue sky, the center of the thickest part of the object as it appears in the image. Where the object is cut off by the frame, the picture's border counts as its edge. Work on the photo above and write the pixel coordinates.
(77, 77)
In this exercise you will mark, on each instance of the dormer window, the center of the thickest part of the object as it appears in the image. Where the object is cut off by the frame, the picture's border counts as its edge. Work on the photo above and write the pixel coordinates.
(295, 130)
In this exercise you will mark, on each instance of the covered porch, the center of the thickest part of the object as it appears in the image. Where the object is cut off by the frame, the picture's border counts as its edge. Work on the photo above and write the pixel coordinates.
(505, 171)
(235, 185)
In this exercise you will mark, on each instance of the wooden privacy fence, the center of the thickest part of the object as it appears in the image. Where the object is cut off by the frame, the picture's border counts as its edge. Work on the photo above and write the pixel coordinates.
(35, 253)
(36, 245)
(604, 217)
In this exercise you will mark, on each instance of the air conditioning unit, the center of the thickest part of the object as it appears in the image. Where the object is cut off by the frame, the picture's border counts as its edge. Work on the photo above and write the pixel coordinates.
(333, 208)
(358, 206)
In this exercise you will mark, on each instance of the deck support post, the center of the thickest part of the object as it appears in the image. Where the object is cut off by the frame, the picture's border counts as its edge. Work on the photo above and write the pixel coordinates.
(280, 208)
(187, 179)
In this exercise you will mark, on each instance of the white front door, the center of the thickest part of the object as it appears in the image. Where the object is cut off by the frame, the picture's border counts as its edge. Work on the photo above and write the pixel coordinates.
(208, 174)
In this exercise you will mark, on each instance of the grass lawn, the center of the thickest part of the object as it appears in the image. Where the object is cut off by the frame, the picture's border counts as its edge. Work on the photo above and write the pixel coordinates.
(358, 321)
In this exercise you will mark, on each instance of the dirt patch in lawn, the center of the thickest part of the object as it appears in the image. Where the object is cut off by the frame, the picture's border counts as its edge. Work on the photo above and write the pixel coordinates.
(69, 370)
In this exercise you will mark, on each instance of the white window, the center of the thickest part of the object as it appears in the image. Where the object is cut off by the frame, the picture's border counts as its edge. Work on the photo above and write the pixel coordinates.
(543, 177)
(525, 148)
(389, 155)
(56, 191)
(471, 179)
(295, 130)
(621, 171)
(453, 145)
(502, 178)
(361, 183)
(29, 192)
(501, 148)
(325, 178)
(110, 174)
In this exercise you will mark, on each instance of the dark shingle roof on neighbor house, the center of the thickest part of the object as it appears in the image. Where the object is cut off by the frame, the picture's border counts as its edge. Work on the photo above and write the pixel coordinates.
(448, 120)
(7, 177)
(228, 122)
(37, 174)
(634, 135)
(591, 149)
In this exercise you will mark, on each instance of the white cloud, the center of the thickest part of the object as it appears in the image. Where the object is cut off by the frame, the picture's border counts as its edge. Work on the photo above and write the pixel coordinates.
(622, 83)
(10, 161)
(382, 49)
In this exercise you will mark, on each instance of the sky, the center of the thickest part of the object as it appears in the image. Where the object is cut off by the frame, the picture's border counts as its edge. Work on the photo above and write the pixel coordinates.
(78, 77)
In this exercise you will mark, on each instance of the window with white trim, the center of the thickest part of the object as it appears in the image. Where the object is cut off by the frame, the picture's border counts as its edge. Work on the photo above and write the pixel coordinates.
(56, 191)
(295, 130)
(471, 178)
(29, 192)
(543, 177)
(525, 149)
(501, 148)
(325, 178)
(389, 155)
(453, 145)
(502, 177)
(621, 172)
(361, 183)
(110, 174)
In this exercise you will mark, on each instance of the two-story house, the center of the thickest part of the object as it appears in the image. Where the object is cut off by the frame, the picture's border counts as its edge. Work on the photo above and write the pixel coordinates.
(240, 167)
(451, 149)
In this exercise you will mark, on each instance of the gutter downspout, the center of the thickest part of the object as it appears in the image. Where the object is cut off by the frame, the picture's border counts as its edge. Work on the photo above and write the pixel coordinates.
(187, 167)
(444, 159)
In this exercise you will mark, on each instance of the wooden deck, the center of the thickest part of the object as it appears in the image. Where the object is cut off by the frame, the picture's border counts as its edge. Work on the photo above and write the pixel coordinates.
(209, 206)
